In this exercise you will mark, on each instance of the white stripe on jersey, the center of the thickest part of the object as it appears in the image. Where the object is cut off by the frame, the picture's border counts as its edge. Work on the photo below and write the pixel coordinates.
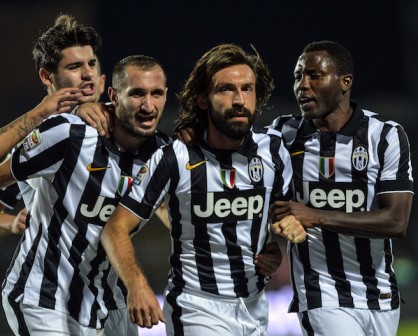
(60, 264)
(218, 226)
(368, 154)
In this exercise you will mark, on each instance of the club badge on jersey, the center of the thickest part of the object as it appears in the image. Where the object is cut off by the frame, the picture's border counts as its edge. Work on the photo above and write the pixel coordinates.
(255, 169)
(360, 158)
(32, 140)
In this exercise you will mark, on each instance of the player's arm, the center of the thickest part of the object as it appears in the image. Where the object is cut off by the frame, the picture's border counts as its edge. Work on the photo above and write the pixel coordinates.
(6, 177)
(389, 221)
(269, 260)
(143, 305)
(63, 100)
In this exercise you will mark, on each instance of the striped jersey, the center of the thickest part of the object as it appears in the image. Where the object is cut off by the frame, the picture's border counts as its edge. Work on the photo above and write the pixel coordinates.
(80, 178)
(345, 171)
(218, 203)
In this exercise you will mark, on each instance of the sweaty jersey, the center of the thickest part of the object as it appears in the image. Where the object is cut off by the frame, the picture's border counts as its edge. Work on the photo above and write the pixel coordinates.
(60, 263)
(218, 202)
(345, 171)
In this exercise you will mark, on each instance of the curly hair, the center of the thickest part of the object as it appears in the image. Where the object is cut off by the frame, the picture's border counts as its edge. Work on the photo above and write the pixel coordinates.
(65, 33)
(199, 82)
(338, 53)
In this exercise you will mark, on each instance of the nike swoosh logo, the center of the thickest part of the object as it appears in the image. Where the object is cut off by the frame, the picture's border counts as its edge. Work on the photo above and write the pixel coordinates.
(297, 153)
(193, 166)
(93, 169)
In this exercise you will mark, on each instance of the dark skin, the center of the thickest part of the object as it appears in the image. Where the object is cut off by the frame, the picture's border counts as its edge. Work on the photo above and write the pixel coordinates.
(324, 98)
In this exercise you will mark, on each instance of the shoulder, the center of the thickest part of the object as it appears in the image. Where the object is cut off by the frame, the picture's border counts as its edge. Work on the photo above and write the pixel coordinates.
(286, 121)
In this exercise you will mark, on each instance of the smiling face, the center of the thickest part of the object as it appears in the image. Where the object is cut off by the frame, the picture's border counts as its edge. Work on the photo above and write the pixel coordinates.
(231, 105)
(77, 68)
(317, 87)
(139, 101)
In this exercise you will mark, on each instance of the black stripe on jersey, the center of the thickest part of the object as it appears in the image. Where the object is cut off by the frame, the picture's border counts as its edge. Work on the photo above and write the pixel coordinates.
(367, 271)
(198, 188)
(311, 278)
(306, 324)
(294, 304)
(25, 268)
(91, 193)
(382, 147)
(176, 228)
(53, 253)
(393, 284)
(229, 230)
(22, 327)
(336, 267)
(177, 312)
(404, 153)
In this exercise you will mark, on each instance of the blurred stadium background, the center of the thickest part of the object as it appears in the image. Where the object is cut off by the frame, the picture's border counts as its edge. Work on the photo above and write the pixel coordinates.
(381, 35)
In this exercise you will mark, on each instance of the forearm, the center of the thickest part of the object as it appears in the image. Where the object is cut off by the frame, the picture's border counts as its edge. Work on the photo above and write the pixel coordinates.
(389, 221)
(6, 221)
(370, 224)
(11, 134)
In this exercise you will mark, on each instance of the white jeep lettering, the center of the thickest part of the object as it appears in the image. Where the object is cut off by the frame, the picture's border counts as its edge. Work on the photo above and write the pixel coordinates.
(103, 212)
(241, 207)
(334, 198)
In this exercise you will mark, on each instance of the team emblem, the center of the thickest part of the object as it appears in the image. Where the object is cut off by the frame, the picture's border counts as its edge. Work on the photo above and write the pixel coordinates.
(255, 169)
(228, 177)
(143, 171)
(360, 158)
(326, 166)
(32, 140)
(124, 184)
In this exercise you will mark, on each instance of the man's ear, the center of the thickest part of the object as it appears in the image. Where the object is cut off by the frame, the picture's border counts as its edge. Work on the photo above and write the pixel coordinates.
(202, 102)
(45, 77)
(346, 82)
(113, 95)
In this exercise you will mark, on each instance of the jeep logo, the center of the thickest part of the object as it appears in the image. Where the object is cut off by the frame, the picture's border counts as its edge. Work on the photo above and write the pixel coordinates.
(98, 213)
(349, 197)
(215, 207)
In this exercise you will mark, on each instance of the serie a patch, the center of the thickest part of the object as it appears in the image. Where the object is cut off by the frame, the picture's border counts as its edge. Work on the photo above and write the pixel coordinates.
(143, 171)
(32, 140)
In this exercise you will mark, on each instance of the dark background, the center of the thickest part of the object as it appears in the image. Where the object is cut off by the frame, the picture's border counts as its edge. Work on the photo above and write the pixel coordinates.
(381, 35)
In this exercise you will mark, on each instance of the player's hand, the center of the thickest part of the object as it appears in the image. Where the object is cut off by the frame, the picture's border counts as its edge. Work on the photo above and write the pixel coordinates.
(269, 261)
(97, 115)
(307, 216)
(19, 223)
(143, 306)
(290, 228)
(185, 135)
(61, 101)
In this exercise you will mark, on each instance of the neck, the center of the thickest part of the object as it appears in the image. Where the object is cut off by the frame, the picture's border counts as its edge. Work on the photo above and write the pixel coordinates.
(221, 141)
(335, 120)
(128, 143)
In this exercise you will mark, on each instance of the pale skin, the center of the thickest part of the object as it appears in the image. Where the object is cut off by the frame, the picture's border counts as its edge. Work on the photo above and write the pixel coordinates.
(324, 97)
(232, 86)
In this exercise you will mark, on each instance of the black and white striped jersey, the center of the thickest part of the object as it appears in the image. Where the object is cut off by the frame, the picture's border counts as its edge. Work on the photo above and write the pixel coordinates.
(345, 171)
(80, 178)
(218, 203)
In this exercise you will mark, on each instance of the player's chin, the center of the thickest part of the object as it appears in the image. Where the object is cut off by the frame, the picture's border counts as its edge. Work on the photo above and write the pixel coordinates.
(87, 99)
